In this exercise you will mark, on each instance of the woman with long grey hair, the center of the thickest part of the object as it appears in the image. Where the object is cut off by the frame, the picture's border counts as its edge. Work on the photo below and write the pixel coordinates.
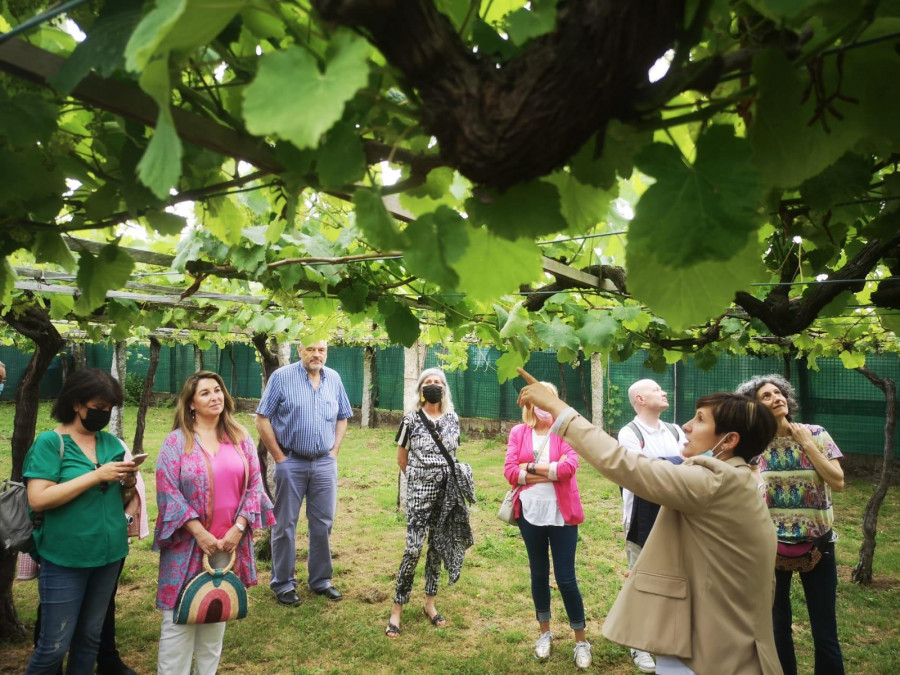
(799, 470)
(428, 484)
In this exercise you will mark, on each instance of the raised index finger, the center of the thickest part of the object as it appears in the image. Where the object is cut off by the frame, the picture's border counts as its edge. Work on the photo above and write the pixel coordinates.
(528, 377)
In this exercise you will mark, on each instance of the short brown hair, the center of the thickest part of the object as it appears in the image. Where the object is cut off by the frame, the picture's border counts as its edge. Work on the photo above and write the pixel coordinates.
(752, 421)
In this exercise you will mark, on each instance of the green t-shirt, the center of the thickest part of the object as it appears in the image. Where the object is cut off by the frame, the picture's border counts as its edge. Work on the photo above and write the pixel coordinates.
(90, 530)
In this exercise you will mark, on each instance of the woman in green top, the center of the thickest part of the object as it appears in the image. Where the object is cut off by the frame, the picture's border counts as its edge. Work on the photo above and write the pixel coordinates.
(78, 484)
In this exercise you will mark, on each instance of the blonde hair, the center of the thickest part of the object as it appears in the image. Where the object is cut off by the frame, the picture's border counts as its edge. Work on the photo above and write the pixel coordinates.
(446, 400)
(227, 428)
(528, 411)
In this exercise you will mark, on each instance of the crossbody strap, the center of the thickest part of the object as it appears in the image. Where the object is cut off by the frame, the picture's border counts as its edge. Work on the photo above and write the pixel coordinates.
(437, 439)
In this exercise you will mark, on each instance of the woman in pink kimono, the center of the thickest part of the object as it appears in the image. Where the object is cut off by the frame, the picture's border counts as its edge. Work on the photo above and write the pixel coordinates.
(210, 497)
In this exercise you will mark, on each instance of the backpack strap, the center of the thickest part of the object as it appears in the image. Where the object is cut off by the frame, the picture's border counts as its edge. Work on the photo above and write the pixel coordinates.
(637, 432)
(673, 430)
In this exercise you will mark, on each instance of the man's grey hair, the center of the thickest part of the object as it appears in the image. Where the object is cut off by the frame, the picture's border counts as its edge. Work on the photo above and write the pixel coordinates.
(754, 384)
(446, 400)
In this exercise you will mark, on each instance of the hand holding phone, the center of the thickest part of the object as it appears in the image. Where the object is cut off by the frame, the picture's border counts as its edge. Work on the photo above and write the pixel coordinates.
(139, 458)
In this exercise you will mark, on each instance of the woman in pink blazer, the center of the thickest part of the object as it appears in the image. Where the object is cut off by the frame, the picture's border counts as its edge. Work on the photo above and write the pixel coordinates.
(548, 509)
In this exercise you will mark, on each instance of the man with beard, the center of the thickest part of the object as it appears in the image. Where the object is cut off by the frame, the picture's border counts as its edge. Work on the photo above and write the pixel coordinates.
(302, 418)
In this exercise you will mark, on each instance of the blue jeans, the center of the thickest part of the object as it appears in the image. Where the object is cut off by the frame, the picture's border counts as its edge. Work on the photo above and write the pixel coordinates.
(820, 588)
(314, 480)
(562, 542)
(74, 602)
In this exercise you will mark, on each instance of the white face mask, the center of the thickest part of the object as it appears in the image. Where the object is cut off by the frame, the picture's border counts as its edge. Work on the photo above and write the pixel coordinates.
(709, 453)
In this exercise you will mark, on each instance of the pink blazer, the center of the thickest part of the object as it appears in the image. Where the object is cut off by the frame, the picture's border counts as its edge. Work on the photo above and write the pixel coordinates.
(519, 449)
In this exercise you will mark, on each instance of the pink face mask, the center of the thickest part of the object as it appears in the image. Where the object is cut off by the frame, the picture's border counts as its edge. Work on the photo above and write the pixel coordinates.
(542, 415)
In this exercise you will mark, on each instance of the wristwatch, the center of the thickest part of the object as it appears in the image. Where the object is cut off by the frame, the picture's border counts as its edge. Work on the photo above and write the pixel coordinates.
(129, 519)
(241, 528)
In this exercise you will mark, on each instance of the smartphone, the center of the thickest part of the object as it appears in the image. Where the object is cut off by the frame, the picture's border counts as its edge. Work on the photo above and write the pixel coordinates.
(139, 458)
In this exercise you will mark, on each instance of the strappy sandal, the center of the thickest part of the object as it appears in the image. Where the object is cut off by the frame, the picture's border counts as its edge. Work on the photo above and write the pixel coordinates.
(437, 620)
(392, 631)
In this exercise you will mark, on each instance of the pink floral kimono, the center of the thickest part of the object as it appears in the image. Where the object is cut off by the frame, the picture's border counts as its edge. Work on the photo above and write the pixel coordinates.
(183, 492)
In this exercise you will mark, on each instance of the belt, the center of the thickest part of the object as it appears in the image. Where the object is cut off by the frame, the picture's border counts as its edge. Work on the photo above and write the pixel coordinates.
(294, 453)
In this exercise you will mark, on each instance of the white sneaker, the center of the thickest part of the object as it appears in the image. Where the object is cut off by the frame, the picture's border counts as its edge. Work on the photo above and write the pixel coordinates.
(542, 646)
(643, 660)
(583, 656)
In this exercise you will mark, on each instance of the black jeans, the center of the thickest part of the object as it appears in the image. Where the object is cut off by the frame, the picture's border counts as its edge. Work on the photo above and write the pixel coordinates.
(820, 589)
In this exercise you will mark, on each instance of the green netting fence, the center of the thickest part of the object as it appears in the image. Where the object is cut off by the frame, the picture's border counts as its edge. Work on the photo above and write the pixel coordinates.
(842, 401)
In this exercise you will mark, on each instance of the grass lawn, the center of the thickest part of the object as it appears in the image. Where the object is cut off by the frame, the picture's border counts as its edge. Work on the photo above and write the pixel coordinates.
(491, 619)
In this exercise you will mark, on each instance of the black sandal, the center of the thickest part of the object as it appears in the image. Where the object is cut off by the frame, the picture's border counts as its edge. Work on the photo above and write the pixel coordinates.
(437, 620)
(392, 631)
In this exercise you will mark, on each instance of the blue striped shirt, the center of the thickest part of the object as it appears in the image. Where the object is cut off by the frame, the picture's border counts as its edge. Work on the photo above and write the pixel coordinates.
(304, 418)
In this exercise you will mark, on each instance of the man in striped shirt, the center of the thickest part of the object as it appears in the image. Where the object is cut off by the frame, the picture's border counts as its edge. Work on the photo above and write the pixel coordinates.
(302, 418)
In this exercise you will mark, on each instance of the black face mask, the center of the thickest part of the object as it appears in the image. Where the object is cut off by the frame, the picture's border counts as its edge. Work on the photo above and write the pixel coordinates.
(433, 393)
(95, 419)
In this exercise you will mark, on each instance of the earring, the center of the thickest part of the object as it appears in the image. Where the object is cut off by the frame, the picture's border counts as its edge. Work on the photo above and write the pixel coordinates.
(422, 398)
(193, 414)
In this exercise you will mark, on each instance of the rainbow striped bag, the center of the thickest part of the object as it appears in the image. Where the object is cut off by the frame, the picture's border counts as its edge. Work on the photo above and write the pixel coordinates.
(212, 596)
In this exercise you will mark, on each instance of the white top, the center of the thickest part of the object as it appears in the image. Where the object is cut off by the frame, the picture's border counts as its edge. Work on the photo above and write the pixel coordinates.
(539, 505)
(657, 443)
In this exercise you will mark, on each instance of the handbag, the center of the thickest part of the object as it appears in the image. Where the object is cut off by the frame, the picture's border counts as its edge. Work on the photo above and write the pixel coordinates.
(16, 523)
(508, 506)
(462, 472)
(802, 557)
(213, 596)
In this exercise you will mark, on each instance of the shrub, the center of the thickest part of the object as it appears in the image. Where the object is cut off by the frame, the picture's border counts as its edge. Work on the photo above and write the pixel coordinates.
(134, 388)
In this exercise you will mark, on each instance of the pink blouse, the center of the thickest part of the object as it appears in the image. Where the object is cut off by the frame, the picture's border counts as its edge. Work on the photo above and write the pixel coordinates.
(228, 479)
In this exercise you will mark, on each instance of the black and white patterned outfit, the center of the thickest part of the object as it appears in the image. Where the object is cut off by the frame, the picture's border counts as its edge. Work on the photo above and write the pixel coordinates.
(428, 482)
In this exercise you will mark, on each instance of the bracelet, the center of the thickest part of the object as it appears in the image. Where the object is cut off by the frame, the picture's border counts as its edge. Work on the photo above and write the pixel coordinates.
(530, 468)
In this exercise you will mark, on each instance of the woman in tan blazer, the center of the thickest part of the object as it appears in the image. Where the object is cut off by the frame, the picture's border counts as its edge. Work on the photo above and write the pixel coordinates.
(700, 595)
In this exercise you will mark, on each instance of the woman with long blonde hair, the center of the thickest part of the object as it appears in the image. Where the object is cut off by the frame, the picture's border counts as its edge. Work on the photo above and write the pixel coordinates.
(210, 497)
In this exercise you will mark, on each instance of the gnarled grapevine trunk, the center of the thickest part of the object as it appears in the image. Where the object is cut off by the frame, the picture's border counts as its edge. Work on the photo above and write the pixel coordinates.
(33, 323)
(862, 573)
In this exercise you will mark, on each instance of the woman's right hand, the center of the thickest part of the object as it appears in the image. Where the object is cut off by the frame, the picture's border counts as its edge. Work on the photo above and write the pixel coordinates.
(114, 471)
(207, 543)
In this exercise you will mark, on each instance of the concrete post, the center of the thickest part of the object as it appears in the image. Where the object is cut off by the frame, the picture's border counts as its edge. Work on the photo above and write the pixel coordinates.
(598, 385)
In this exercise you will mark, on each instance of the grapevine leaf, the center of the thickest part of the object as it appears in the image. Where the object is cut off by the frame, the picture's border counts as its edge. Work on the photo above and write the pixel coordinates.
(507, 364)
(26, 119)
(109, 269)
(583, 206)
(787, 149)
(104, 47)
(686, 296)
(226, 222)
(620, 146)
(846, 179)
(49, 247)
(437, 240)
(517, 321)
(701, 212)
(165, 223)
(376, 223)
(61, 306)
(526, 210)
(597, 333)
(160, 166)
(354, 296)
(852, 359)
(341, 160)
(317, 98)
(557, 334)
(492, 267)
(401, 324)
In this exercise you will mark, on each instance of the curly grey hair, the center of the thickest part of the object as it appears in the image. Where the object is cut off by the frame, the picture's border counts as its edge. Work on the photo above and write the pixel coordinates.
(754, 384)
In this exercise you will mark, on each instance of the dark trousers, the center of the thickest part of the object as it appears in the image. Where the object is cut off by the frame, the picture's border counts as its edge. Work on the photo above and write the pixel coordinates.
(562, 542)
(820, 589)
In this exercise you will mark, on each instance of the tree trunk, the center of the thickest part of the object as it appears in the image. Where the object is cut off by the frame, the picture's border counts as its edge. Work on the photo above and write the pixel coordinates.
(117, 421)
(597, 389)
(33, 323)
(368, 403)
(146, 396)
(269, 358)
(198, 359)
(862, 573)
